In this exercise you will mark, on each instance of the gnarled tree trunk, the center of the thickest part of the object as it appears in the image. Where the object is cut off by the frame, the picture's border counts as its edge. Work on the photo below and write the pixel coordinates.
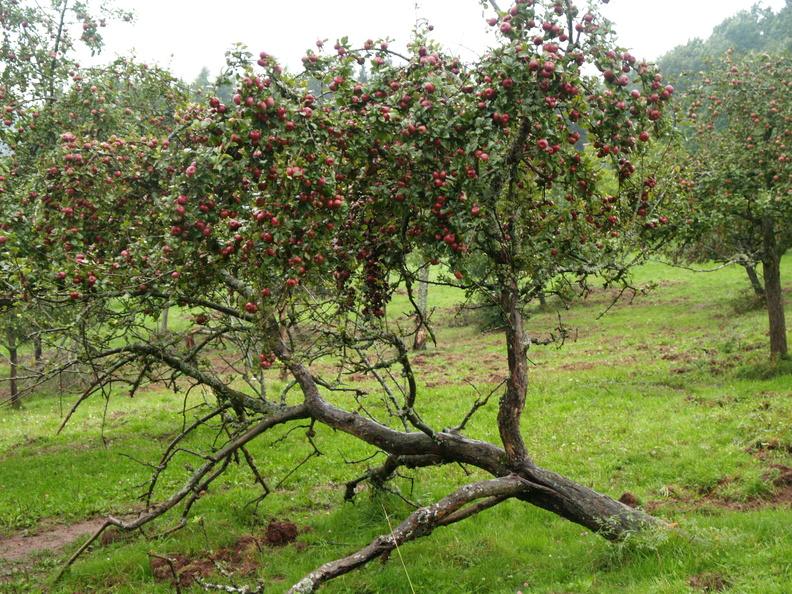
(518, 475)
(416, 444)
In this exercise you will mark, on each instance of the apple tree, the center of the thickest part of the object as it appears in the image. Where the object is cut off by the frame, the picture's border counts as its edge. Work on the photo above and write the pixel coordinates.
(38, 45)
(46, 94)
(738, 181)
(281, 224)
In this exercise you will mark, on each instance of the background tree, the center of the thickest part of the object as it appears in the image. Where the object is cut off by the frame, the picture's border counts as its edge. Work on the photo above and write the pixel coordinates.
(38, 42)
(203, 86)
(739, 183)
(282, 224)
(759, 29)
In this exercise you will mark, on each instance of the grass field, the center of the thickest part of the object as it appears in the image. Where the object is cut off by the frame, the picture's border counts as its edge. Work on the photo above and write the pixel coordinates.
(669, 397)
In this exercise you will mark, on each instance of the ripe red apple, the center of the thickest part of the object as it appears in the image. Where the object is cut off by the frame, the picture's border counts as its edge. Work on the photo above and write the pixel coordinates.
(251, 307)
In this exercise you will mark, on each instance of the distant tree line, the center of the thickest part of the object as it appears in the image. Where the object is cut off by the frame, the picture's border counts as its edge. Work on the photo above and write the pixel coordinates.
(758, 29)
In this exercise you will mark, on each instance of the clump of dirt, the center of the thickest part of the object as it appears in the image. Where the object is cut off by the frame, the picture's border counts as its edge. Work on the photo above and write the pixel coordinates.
(686, 498)
(784, 478)
(112, 535)
(709, 583)
(760, 449)
(629, 499)
(239, 558)
(495, 378)
(278, 534)
(184, 568)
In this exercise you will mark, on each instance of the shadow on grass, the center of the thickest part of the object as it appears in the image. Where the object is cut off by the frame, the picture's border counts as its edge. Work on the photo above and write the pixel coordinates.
(766, 369)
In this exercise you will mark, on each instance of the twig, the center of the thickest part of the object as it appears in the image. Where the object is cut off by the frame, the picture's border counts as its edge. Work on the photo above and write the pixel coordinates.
(169, 561)
(476, 405)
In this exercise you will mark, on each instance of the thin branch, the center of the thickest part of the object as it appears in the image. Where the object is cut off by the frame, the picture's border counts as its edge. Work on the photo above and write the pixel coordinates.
(169, 561)
(197, 481)
(476, 406)
(731, 262)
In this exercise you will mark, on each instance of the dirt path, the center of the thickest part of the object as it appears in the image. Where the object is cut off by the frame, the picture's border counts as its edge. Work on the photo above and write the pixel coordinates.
(19, 547)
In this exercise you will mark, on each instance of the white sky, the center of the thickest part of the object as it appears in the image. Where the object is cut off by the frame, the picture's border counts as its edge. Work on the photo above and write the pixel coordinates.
(189, 34)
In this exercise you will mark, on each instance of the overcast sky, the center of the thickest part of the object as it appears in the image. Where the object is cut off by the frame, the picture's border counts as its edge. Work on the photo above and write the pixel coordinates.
(187, 35)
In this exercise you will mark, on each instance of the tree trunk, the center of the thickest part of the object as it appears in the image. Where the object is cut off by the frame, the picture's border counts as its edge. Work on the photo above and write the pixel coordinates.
(38, 351)
(14, 360)
(163, 326)
(544, 488)
(773, 294)
(750, 269)
(419, 343)
(512, 402)
(519, 477)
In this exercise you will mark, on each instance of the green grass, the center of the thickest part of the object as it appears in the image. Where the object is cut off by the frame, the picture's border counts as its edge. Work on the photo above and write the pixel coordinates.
(669, 397)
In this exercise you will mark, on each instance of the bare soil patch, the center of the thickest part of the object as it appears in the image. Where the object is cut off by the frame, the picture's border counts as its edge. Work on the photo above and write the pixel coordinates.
(782, 496)
(21, 545)
(238, 559)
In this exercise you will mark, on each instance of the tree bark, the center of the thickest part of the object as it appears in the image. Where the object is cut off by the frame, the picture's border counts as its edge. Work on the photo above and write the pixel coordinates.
(514, 474)
(419, 343)
(750, 270)
(512, 402)
(421, 523)
(773, 291)
(13, 359)
(163, 325)
(38, 351)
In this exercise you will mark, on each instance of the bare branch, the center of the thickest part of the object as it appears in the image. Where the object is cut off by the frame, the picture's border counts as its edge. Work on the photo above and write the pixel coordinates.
(200, 478)
(418, 524)
(169, 561)
(477, 405)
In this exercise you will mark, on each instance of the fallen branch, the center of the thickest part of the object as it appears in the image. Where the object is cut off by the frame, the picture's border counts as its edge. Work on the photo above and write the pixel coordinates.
(418, 524)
